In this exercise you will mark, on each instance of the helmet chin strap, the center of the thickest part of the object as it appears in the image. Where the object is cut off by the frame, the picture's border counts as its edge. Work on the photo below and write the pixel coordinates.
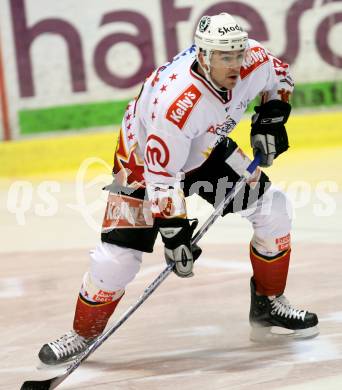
(207, 72)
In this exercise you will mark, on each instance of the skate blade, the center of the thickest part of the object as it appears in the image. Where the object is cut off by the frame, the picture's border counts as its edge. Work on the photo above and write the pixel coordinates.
(274, 334)
(40, 366)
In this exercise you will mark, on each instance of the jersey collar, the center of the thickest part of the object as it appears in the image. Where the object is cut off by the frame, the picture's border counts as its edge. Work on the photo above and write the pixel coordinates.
(223, 96)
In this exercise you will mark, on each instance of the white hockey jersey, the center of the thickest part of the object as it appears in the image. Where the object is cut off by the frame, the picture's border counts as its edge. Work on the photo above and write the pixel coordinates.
(179, 117)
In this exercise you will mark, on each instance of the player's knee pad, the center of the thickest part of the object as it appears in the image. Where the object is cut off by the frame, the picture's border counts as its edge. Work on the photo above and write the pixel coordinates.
(272, 223)
(112, 267)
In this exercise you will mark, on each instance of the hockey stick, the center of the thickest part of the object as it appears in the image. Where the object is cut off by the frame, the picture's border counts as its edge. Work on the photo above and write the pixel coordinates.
(52, 383)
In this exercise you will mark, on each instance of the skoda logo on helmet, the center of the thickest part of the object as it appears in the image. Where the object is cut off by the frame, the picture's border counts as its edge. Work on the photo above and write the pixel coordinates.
(226, 30)
(204, 23)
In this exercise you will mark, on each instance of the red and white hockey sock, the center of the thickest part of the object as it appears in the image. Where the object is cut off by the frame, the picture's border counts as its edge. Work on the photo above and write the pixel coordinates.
(270, 273)
(94, 308)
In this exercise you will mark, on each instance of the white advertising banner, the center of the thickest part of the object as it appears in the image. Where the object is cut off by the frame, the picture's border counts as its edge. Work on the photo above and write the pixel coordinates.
(73, 64)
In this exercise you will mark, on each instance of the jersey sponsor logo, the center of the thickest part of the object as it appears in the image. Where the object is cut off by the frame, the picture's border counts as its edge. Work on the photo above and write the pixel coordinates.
(181, 108)
(226, 127)
(256, 57)
(157, 155)
(222, 129)
(243, 104)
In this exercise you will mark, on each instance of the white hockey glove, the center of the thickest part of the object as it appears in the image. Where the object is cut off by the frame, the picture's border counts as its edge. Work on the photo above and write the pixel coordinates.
(268, 134)
(176, 234)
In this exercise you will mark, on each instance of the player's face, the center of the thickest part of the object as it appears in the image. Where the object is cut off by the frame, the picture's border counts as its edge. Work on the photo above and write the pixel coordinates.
(225, 67)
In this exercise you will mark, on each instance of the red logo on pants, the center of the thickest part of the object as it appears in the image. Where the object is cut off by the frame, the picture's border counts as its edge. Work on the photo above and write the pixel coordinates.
(284, 242)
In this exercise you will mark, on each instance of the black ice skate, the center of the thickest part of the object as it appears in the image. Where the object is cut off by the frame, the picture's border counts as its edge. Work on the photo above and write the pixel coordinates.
(64, 349)
(274, 319)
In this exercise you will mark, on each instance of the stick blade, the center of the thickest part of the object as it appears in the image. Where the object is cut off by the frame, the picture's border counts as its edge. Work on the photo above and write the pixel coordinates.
(38, 385)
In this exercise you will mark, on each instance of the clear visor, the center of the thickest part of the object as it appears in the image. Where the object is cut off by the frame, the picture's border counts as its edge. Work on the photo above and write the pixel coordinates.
(226, 59)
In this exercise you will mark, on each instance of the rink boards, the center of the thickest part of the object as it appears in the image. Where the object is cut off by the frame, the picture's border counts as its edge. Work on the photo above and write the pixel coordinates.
(66, 152)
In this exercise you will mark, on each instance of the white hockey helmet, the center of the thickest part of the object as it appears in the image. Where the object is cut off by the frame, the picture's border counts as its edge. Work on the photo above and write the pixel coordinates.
(220, 32)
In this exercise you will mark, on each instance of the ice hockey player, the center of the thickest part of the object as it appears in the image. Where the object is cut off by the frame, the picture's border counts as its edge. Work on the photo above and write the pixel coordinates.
(174, 142)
